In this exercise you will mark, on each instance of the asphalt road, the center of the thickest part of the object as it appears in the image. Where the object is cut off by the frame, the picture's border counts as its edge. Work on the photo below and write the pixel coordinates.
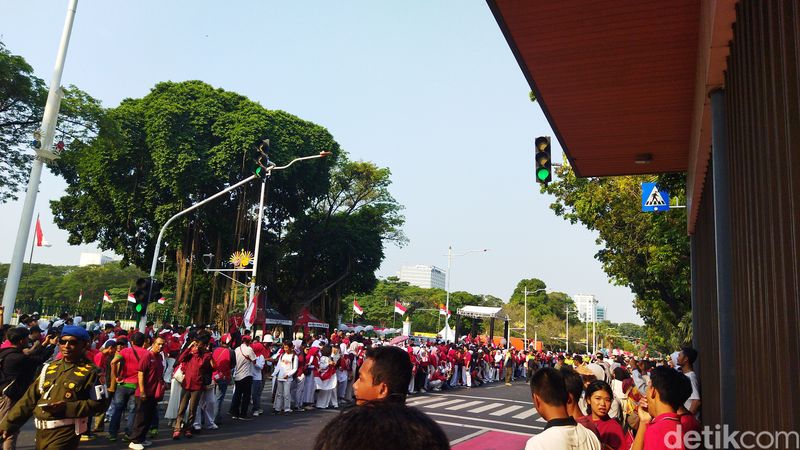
(502, 415)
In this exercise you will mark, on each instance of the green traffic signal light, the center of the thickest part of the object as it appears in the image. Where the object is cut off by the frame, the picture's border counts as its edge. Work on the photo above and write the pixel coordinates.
(138, 308)
(543, 160)
(259, 170)
(542, 174)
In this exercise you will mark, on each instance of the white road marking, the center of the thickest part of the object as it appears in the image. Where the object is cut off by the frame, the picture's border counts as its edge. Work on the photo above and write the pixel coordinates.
(504, 411)
(449, 402)
(526, 414)
(473, 397)
(486, 407)
(484, 429)
(419, 401)
(464, 405)
(476, 419)
(468, 437)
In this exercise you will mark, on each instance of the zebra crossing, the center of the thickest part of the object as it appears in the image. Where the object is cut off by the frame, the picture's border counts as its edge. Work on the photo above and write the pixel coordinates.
(483, 411)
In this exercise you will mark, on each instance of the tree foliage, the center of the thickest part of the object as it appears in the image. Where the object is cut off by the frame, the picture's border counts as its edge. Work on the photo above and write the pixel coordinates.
(647, 252)
(22, 99)
(325, 223)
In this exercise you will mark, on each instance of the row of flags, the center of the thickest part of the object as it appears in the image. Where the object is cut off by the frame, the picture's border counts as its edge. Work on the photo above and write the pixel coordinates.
(398, 309)
(131, 298)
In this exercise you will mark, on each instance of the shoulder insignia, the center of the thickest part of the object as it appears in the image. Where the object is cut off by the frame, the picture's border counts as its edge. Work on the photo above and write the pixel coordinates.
(80, 374)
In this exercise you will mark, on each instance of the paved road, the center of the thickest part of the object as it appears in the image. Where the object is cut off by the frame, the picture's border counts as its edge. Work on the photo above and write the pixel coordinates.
(501, 413)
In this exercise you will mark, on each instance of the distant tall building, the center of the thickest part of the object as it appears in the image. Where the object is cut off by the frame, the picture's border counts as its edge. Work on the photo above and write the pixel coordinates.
(588, 309)
(94, 259)
(600, 311)
(423, 276)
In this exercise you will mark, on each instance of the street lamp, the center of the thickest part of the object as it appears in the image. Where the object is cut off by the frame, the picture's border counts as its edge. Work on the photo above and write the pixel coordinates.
(526, 313)
(567, 311)
(450, 256)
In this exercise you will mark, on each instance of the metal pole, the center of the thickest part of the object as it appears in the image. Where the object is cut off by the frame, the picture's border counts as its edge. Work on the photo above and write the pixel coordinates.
(447, 304)
(48, 132)
(566, 341)
(525, 335)
(594, 331)
(258, 242)
(143, 320)
(722, 247)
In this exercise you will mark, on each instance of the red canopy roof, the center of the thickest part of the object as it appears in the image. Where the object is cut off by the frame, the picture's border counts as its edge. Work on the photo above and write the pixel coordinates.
(306, 319)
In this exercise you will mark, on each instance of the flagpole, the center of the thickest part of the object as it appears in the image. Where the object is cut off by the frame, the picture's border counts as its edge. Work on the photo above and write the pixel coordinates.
(30, 260)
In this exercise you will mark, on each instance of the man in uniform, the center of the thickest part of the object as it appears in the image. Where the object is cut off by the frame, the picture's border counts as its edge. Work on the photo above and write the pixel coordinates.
(63, 397)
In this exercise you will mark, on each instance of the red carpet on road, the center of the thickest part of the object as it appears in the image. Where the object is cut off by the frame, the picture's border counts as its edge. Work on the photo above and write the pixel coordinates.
(494, 440)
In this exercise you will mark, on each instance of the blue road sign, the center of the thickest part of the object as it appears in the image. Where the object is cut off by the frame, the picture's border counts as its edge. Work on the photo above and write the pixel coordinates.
(653, 199)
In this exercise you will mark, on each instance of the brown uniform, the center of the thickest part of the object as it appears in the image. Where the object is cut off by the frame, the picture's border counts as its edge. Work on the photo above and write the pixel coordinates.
(77, 384)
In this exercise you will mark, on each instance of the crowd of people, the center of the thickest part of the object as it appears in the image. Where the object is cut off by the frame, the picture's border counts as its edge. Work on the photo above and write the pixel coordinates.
(589, 401)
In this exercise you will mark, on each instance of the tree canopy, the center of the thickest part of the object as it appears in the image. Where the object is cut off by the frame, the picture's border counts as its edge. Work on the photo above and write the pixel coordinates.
(647, 252)
(325, 223)
(22, 99)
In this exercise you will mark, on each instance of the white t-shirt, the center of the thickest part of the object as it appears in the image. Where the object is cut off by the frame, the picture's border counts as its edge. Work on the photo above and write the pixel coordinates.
(258, 364)
(567, 437)
(695, 389)
(244, 362)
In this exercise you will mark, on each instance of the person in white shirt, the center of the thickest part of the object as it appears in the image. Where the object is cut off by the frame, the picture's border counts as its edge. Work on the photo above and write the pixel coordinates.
(562, 431)
(686, 360)
(285, 368)
(243, 379)
(325, 379)
(258, 383)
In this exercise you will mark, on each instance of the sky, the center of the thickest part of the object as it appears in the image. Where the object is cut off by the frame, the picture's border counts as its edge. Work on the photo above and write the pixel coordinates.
(429, 89)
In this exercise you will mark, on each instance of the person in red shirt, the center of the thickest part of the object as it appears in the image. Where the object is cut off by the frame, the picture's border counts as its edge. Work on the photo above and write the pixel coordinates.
(574, 385)
(659, 424)
(194, 361)
(223, 359)
(149, 391)
(126, 367)
(598, 398)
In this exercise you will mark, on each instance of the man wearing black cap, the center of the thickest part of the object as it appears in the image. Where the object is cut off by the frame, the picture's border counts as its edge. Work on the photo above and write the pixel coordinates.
(63, 397)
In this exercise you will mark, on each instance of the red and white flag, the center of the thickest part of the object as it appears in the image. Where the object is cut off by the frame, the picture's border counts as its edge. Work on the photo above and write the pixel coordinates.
(443, 311)
(131, 298)
(40, 240)
(357, 308)
(162, 300)
(80, 296)
(250, 314)
(107, 297)
(399, 308)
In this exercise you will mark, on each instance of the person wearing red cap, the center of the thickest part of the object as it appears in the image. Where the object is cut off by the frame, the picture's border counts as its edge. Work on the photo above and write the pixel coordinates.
(258, 378)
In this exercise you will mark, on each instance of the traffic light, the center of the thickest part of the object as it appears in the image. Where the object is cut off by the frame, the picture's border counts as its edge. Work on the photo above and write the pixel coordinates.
(147, 290)
(543, 161)
(262, 159)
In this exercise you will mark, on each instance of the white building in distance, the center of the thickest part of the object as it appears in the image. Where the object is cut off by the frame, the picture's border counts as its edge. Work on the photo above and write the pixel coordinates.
(423, 276)
(93, 259)
(588, 310)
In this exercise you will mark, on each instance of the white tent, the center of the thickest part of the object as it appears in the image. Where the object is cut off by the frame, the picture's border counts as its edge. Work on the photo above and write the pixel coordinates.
(447, 333)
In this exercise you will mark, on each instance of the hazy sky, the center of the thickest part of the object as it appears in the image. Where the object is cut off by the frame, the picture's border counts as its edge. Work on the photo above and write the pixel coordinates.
(428, 89)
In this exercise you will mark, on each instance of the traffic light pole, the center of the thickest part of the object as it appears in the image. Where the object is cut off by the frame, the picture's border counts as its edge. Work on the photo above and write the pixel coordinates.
(143, 320)
(43, 153)
(258, 240)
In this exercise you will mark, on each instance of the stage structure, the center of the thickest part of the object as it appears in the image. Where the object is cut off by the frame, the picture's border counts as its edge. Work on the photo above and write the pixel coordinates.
(478, 313)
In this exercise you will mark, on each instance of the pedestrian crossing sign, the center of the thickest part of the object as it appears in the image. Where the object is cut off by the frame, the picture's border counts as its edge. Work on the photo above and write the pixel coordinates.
(654, 199)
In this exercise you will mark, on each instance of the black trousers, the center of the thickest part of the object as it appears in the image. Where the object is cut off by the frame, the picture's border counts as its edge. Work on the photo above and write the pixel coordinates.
(241, 397)
(145, 410)
(419, 378)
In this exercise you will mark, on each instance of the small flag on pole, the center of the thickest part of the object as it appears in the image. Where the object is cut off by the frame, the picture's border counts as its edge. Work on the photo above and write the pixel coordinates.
(250, 313)
(107, 297)
(357, 308)
(399, 308)
(40, 240)
(131, 298)
(162, 300)
(80, 296)
(443, 311)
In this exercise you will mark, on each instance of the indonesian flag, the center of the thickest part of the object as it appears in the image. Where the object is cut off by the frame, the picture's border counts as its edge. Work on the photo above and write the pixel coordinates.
(80, 296)
(443, 311)
(40, 240)
(131, 298)
(357, 308)
(107, 297)
(162, 300)
(399, 308)
(250, 314)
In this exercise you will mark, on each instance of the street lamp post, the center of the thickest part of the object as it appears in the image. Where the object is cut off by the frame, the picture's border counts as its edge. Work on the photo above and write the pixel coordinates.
(450, 256)
(526, 314)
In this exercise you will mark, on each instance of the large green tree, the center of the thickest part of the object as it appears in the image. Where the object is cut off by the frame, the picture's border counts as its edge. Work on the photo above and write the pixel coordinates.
(22, 99)
(647, 252)
(325, 224)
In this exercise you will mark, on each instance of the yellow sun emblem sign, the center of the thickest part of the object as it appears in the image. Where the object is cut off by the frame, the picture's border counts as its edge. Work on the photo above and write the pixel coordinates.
(241, 259)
